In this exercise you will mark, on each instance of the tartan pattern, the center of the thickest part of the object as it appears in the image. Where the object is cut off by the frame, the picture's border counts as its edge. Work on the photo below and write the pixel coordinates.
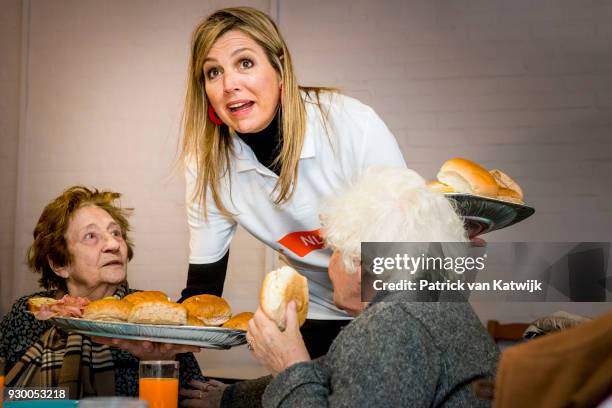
(71, 360)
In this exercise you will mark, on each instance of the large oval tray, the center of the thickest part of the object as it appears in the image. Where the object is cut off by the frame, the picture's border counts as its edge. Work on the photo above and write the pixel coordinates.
(207, 337)
(483, 214)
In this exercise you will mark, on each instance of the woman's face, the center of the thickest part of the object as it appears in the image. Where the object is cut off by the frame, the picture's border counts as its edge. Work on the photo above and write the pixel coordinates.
(99, 254)
(241, 84)
(347, 286)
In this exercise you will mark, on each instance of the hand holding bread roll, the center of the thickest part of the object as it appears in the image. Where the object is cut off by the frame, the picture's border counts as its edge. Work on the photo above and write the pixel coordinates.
(278, 289)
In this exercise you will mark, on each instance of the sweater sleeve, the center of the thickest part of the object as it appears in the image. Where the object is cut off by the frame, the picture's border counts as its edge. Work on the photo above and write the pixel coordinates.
(376, 361)
(19, 329)
(205, 278)
(303, 384)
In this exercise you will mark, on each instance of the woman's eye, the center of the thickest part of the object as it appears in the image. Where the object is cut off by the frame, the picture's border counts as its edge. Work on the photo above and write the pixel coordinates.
(246, 63)
(89, 235)
(212, 73)
(117, 233)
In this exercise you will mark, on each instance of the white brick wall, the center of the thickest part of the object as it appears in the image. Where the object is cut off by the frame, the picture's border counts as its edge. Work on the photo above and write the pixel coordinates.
(523, 86)
(520, 85)
(10, 50)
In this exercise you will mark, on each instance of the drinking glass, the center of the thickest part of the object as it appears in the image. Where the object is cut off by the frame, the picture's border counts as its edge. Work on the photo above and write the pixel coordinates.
(112, 402)
(158, 383)
(1, 381)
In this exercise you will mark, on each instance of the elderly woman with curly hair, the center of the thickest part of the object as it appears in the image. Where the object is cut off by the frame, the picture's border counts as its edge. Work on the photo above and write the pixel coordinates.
(81, 248)
(396, 352)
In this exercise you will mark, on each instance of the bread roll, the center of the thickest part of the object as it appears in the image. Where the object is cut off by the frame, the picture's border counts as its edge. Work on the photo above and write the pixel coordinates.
(468, 177)
(146, 296)
(509, 189)
(211, 310)
(158, 312)
(440, 187)
(278, 289)
(506, 194)
(108, 309)
(193, 321)
(34, 303)
(240, 321)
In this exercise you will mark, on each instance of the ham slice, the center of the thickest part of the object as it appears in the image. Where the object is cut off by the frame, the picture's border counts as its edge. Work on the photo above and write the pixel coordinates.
(68, 306)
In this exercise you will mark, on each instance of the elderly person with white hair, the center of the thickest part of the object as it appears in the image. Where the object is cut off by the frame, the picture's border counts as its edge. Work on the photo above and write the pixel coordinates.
(396, 352)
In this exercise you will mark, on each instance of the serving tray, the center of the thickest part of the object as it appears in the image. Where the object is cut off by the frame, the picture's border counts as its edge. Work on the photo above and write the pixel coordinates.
(484, 214)
(207, 337)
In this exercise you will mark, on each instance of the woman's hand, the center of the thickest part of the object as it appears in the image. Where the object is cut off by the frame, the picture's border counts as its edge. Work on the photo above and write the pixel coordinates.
(147, 350)
(206, 394)
(275, 349)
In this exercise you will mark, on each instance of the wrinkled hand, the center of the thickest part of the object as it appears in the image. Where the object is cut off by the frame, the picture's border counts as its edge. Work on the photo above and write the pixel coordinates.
(147, 350)
(206, 394)
(275, 349)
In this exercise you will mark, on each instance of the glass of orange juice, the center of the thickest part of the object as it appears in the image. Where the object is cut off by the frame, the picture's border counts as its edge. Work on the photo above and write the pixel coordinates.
(158, 383)
(1, 381)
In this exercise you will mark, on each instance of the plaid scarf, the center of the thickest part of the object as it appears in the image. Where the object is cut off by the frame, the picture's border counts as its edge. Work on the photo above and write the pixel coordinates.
(67, 360)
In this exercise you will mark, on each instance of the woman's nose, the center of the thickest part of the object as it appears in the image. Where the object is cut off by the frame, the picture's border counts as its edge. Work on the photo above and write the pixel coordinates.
(230, 82)
(111, 243)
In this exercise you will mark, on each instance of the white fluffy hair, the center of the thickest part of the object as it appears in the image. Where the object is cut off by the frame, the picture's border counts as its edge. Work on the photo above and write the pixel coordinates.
(388, 204)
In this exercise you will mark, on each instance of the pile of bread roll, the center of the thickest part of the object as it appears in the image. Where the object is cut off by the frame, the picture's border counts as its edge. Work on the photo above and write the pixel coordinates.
(280, 287)
(154, 307)
(467, 177)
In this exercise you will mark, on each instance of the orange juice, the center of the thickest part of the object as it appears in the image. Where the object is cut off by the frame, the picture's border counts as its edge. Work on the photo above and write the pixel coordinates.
(1, 389)
(159, 392)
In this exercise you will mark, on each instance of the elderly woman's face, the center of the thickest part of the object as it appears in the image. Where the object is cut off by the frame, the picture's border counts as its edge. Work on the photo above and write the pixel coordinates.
(347, 286)
(99, 252)
(241, 84)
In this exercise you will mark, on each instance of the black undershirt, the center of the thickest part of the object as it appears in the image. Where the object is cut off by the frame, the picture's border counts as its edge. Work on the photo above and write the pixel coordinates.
(266, 144)
(209, 278)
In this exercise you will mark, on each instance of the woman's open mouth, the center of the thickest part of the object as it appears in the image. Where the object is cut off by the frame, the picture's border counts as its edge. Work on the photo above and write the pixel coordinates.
(114, 263)
(240, 107)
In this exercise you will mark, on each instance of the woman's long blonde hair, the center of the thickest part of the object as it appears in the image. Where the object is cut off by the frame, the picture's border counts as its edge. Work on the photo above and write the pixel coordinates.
(210, 145)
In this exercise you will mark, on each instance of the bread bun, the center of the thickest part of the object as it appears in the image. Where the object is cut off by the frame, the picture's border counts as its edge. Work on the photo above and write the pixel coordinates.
(465, 176)
(34, 303)
(146, 296)
(158, 312)
(108, 309)
(509, 189)
(193, 321)
(440, 187)
(211, 310)
(512, 196)
(278, 289)
(240, 321)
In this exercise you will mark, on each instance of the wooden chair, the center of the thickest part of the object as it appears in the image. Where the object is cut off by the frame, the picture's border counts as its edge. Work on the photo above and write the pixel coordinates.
(506, 332)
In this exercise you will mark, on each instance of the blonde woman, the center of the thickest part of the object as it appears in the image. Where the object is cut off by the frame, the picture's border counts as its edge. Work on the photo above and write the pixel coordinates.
(263, 152)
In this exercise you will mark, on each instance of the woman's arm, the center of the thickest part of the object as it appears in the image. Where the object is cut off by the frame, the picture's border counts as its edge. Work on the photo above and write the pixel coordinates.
(209, 240)
(206, 278)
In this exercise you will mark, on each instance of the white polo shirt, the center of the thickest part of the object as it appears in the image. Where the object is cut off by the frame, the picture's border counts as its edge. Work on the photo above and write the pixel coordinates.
(356, 139)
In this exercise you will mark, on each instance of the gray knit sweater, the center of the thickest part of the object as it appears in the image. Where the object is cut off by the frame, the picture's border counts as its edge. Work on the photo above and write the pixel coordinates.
(395, 354)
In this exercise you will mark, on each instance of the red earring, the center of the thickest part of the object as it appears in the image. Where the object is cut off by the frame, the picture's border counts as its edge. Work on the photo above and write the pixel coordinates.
(213, 116)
